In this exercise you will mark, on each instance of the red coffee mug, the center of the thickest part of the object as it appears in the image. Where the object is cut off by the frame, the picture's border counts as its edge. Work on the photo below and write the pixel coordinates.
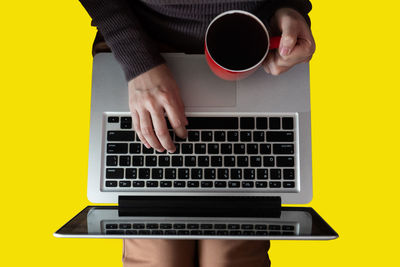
(236, 44)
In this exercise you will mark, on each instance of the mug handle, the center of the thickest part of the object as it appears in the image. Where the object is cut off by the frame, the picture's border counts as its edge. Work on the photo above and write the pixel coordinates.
(274, 42)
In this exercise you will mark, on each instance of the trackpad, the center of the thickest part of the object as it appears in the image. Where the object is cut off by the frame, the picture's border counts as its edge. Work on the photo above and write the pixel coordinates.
(199, 86)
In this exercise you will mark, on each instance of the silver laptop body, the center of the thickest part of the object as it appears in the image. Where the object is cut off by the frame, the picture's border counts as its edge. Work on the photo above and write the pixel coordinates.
(205, 94)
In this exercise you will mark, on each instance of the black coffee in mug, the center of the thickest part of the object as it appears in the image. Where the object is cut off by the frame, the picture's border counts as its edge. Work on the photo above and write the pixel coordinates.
(237, 41)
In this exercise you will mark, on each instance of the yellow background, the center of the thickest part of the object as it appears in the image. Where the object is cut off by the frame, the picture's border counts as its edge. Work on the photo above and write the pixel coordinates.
(45, 80)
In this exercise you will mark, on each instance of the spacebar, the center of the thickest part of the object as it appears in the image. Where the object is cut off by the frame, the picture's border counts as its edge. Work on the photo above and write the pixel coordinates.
(212, 123)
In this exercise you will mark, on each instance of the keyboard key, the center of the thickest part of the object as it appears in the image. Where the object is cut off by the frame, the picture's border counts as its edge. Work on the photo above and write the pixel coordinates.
(275, 174)
(137, 161)
(170, 173)
(212, 123)
(200, 148)
(124, 161)
(239, 148)
(197, 173)
(183, 173)
(219, 136)
(288, 184)
(236, 174)
(288, 174)
(233, 136)
(111, 183)
(249, 174)
(247, 226)
(183, 232)
(134, 148)
(157, 173)
(245, 136)
(144, 173)
(247, 184)
(255, 161)
(146, 150)
(261, 184)
(187, 148)
(165, 183)
(113, 119)
(125, 226)
(265, 149)
(112, 161)
(151, 161)
(246, 123)
(179, 183)
(192, 184)
(163, 161)
(274, 123)
(262, 174)
(210, 174)
(120, 136)
(177, 149)
(268, 161)
(280, 136)
(233, 226)
(151, 183)
(222, 232)
(124, 183)
(117, 148)
(126, 123)
(138, 183)
(206, 226)
(206, 136)
(274, 184)
(284, 161)
(260, 227)
(287, 227)
(190, 161)
(243, 161)
(261, 123)
(130, 173)
(193, 226)
(252, 149)
(111, 226)
(177, 161)
(234, 184)
(220, 184)
(114, 173)
(258, 136)
(165, 226)
(220, 226)
(235, 233)
(207, 184)
(203, 161)
(223, 174)
(213, 148)
(287, 123)
(283, 148)
(216, 161)
(226, 149)
(229, 161)
(193, 136)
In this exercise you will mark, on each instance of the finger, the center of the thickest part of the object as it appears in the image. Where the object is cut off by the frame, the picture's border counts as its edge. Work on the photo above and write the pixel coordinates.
(274, 67)
(289, 28)
(161, 130)
(136, 126)
(300, 53)
(177, 119)
(146, 126)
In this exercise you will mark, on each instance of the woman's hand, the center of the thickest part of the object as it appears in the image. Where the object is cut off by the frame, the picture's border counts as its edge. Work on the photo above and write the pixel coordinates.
(152, 94)
(297, 43)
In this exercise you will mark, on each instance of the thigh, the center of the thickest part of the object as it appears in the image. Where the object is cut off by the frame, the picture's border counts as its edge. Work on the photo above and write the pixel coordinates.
(232, 253)
(158, 252)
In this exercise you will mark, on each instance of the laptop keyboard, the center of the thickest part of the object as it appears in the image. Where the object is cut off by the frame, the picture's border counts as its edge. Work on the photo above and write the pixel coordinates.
(251, 153)
(201, 229)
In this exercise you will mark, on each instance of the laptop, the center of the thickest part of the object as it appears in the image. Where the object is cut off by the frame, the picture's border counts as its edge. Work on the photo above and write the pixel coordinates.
(248, 152)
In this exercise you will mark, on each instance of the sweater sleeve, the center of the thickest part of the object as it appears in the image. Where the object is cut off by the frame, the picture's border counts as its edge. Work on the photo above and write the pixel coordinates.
(132, 47)
(301, 6)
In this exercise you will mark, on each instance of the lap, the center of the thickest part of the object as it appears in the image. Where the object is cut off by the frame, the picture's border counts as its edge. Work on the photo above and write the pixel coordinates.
(182, 253)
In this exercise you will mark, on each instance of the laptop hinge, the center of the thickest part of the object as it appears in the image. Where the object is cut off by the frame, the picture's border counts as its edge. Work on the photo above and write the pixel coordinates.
(193, 206)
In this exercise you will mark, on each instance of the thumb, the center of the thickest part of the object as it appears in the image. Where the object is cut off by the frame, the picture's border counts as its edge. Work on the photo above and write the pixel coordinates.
(289, 36)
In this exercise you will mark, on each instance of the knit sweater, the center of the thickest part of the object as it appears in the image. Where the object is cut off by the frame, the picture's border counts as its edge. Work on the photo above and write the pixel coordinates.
(132, 28)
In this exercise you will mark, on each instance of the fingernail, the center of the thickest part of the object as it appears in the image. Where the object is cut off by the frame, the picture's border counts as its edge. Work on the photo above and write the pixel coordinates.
(284, 51)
